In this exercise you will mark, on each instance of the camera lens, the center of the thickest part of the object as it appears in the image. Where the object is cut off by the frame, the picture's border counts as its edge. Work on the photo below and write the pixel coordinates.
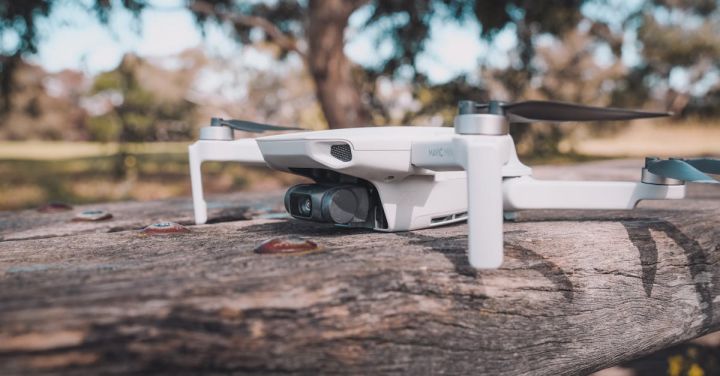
(341, 205)
(305, 206)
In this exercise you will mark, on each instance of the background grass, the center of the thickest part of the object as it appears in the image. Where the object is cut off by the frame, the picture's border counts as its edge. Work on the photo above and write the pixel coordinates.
(37, 173)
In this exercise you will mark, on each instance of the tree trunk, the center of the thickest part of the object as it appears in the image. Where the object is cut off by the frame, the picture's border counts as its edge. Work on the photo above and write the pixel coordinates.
(339, 95)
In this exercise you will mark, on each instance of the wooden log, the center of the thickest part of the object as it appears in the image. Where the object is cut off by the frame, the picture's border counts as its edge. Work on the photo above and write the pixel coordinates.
(579, 291)
(32, 224)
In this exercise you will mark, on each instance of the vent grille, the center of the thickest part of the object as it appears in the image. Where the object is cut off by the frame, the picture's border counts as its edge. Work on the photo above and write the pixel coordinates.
(448, 218)
(341, 152)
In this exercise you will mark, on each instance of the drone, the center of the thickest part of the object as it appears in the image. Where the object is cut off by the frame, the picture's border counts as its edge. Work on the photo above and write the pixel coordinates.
(403, 178)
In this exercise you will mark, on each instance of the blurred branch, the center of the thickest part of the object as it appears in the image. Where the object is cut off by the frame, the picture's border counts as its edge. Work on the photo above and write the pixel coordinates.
(278, 37)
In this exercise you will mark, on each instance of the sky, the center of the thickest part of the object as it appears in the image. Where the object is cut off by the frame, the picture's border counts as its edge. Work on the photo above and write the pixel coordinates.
(72, 38)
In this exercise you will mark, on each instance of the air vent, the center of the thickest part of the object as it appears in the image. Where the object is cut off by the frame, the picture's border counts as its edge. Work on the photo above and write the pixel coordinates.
(341, 152)
(448, 218)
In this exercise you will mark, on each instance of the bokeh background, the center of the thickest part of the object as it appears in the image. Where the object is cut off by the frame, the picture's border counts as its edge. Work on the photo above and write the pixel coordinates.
(100, 98)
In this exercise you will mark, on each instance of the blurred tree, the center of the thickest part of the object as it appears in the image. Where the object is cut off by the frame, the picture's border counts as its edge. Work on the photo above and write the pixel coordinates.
(314, 30)
(679, 39)
(676, 38)
(139, 102)
(134, 112)
(566, 69)
(534, 62)
(18, 20)
(45, 105)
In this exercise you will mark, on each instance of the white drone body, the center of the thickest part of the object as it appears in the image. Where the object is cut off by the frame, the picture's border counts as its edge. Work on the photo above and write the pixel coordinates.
(408, 178)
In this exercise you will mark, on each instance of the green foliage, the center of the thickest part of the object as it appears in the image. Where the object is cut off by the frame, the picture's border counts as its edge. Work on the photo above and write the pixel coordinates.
(677, 36)
(667, 46)
(138, 126)
(137, 98)
(19, 18)
(407, 24)
(442, 99)
(141, 114)
(104, 128)
(107, 81)
(287, 15)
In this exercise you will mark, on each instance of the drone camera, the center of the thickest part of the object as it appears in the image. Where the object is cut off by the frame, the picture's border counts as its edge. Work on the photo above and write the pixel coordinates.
(338, 204)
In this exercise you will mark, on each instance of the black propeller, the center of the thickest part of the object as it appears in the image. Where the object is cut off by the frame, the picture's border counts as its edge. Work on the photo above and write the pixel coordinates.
(694, 170)
(250, 126)
(552, 111)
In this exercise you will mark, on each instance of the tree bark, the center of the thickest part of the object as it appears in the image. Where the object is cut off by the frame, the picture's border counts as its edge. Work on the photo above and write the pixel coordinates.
(578, 291)
(339, 95)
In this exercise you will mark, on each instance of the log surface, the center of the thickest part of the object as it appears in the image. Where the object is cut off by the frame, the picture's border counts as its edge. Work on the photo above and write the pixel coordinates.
(579, 290)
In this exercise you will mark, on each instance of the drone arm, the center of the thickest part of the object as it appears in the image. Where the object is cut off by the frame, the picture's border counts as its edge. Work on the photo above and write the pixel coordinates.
(528, 193)
(242, 150)
(199, 204)
(481, 157)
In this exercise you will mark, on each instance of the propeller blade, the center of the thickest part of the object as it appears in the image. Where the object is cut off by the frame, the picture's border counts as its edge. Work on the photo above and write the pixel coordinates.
(678, 169)
(531, 111)
(706, 165)
(251, 126)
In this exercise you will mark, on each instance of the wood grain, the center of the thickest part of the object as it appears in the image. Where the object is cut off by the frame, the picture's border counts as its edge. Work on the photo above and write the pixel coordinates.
(579, 291)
